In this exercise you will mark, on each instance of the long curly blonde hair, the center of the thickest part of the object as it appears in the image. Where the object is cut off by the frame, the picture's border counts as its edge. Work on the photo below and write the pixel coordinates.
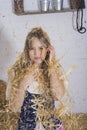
(23, 65)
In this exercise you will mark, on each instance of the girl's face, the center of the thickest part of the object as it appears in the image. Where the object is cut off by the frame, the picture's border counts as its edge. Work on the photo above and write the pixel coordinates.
(37, 51)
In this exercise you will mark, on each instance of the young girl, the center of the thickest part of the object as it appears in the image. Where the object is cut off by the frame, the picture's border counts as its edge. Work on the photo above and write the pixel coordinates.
(36, 81)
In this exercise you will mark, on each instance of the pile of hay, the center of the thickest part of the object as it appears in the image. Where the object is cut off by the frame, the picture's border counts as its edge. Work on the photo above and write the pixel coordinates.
(75, 121)
(2, 93)
(8, 120)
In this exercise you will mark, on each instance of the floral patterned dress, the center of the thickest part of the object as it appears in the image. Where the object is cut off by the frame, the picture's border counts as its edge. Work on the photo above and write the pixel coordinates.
(29, 113)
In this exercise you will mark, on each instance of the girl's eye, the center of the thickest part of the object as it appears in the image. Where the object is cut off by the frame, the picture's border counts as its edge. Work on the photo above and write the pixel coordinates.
(31, 48)
(41, 48)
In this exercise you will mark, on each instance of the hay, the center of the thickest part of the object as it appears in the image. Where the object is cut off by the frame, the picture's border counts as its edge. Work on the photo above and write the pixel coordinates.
(8, 121)
(2, 94)
(75, 121)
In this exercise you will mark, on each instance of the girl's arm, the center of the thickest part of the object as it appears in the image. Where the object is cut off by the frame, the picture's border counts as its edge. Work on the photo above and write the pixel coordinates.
(17, 94)
(16, 99)
(57, 86)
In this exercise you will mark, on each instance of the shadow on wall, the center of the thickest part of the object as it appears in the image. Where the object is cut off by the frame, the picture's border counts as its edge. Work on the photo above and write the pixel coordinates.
(6, 51)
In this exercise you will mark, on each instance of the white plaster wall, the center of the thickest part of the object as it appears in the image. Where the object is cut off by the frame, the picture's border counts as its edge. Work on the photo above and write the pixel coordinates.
(69, 44)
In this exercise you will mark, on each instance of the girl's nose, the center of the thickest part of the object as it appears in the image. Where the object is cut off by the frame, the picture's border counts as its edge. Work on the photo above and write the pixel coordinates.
(36, 52)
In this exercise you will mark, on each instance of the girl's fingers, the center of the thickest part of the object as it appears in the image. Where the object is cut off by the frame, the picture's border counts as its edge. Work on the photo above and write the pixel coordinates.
(34, 76)
(52, 53)
(51, 49)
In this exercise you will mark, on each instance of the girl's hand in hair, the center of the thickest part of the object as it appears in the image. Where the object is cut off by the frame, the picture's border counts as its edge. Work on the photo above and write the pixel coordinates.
(51, 51)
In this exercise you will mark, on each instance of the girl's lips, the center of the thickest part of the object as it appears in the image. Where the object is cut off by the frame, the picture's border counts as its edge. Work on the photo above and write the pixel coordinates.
(37, 58)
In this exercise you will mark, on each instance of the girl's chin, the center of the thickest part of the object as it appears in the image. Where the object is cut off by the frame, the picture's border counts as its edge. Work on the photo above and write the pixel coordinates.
(37, 62)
